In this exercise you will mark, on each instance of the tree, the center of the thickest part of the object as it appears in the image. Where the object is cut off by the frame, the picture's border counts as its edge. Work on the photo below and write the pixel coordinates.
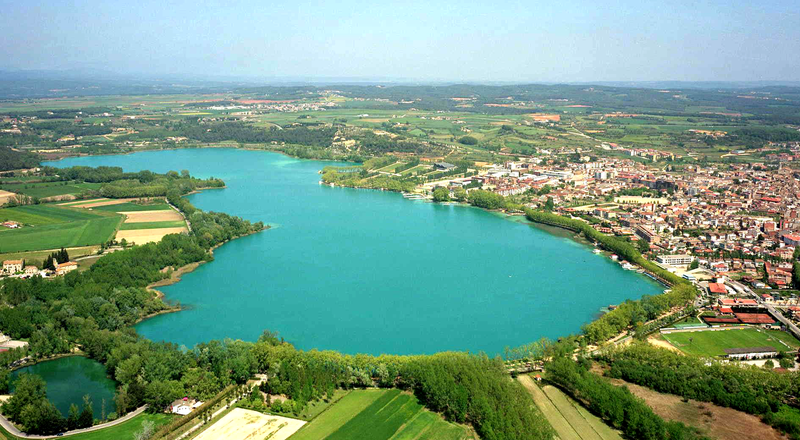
(42, 417)
(147, 431)
(549, 205)
(441, 194)
(460, 194)
(29, 389)
(468, 140)
(86, 417)
(72, 418)
(694, 264)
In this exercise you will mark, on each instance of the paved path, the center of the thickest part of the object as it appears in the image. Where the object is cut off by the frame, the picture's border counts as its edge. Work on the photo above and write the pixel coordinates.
(8, 426)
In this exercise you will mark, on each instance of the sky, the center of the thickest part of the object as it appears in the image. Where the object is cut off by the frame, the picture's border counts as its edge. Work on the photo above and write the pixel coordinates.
(486, 41)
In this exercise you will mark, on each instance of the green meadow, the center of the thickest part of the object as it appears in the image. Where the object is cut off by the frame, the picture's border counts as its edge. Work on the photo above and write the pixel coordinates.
(51, 227)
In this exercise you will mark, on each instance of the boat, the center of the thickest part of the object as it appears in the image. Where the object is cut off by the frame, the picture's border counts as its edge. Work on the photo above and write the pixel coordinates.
(597, 251)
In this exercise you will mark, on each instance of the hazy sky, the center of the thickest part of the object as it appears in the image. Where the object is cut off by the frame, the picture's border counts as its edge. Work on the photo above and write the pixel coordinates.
(555, 40)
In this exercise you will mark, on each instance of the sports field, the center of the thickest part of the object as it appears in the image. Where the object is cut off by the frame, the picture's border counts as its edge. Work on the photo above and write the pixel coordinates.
(51, 226)
(241, 424)
(569, 419)
(380, 415)
(714, 343)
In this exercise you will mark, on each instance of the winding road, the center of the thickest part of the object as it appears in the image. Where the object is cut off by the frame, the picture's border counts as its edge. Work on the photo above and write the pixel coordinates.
(8, 426)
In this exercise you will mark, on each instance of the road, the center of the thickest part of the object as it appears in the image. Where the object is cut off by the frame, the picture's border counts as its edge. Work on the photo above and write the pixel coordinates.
(772, 310)
(8, 426)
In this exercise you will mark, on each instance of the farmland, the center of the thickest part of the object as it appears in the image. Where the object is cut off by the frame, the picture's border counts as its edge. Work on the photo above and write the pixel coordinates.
(49, 189)
(246, 424)
(52, 226)
(380, 415)
(713, 343)
(569, 419)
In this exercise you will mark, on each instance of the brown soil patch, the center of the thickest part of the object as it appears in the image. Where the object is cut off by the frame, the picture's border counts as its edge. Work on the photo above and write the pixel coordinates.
(541, 117)
(102, 203)
(142, 236)
(151, 216)
(376, 120)
(715, 421)
(663, 344)
(5, 196)
(245, 424)
(82, 202)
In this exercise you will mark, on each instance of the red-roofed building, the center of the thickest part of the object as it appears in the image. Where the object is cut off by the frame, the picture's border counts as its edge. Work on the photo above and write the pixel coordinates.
(726, 310)
(717, 289)
(746, 302)
(726, 301)
(755, 318)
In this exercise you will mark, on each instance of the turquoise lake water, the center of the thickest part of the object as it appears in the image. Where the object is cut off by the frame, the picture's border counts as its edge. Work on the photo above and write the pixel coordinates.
(70, 378)
(363, 271)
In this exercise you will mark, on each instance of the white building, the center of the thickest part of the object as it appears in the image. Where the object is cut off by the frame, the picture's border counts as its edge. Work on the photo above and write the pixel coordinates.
(675, 260)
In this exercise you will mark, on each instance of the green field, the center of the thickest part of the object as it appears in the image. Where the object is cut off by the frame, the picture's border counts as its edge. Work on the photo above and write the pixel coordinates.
(713, 343)
(51, 227)
(124, 430)
(569, 419)
(49, 189)
(380, 415)
(153, 225)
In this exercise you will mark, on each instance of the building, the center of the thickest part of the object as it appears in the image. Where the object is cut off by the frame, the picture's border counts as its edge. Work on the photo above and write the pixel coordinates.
(31, 270)
(184, 406)
(12, 266)
(675, 260)
(750, 353)
(443, 166)
(718, 289)
(62, 268)
(647, 234)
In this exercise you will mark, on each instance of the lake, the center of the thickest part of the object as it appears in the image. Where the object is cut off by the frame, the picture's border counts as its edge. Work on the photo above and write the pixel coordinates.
(70, 378)
(364, 271)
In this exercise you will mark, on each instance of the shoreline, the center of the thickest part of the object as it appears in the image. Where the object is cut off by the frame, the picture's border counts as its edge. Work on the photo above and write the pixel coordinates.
(176, 275)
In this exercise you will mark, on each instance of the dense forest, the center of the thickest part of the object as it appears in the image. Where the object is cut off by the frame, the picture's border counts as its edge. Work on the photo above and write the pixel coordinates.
(248, 134)
(11, 159)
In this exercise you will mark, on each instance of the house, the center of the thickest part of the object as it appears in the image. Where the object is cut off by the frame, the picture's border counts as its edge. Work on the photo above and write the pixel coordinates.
(184, 406)
(717, 289)
(31, 270)
(12, 266)
(62, 268)
(11, 224)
